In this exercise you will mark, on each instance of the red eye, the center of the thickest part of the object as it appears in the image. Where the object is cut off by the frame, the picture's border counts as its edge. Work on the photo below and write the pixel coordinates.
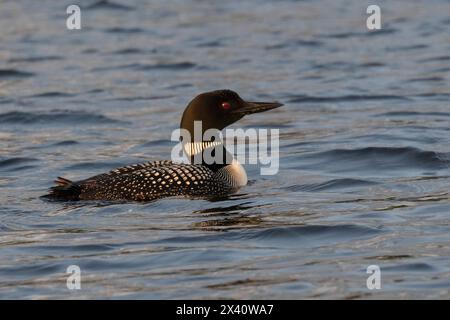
(226, 105)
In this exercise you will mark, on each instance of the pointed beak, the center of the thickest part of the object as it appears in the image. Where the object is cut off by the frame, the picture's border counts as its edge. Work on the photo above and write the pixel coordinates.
(255, 107)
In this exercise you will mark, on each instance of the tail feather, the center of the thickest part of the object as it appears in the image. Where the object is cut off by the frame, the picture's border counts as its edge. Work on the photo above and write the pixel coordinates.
(60, 181)
(64, 190)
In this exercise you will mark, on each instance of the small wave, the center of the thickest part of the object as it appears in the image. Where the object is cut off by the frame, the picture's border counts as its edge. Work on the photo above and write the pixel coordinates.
(368, 138)
(346, 65)
(375, 158)
(56, 116)
(5, 228)
(90, 50)
(35, 59)
(124, 30)
(36, 269)
(407, 48)
(94, 247)
(376, 33)
(148, 67)
(332, 185)
(89, 165)
(105, 4)
(436, 96)
(412, 114)
(13, 73)
(321, 231)
(210, 44)
(334, 65)
(426, 79)
(292, 236)
(65, 143)
(17, 163)
(129, 51)
(158, 97)
(164, 66)
(410, 267)
(97, 90)
(446, 69)
(52, 94)
(4, 101)
(179, 85)
(433, 59)
(345, 98)
(155, 143)
(298, 43)
(237, 208)
(390, 257)
(263, 125)
(372, 64)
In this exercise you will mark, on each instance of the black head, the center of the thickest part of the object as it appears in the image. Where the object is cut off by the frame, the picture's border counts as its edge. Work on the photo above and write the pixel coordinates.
(218, 109)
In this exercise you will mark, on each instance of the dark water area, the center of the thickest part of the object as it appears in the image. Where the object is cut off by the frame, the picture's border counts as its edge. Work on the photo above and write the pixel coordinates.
(364, 148)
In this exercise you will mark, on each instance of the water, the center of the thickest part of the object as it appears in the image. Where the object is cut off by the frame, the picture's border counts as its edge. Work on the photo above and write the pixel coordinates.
(364, 150)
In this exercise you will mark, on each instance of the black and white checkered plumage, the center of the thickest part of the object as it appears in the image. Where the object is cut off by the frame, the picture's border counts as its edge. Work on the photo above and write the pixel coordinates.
(159, 179)
(147, 181)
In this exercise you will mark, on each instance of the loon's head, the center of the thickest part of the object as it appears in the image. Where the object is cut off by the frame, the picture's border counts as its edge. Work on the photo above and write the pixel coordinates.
(218, 109)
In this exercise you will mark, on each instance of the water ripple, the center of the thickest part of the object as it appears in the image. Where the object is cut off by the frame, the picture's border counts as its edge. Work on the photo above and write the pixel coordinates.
(55, 117)
(15, 164)
(334, 184)
(13, 73)
(346, 98)
(375, 159)
(109, 5)
(147, 67)
(36, 59)
(294, 236)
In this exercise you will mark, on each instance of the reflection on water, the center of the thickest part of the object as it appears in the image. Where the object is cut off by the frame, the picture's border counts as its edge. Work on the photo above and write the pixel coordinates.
(364, 150)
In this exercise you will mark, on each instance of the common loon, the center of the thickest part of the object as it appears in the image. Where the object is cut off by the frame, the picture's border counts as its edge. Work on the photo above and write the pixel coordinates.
(158, 179)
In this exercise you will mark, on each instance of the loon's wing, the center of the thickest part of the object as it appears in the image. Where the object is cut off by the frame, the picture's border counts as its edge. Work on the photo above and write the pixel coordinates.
(157, 182)
(148, 183)
(66, 189)
(138, 166)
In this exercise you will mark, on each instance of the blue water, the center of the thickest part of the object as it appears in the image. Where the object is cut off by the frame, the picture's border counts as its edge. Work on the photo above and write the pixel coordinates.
(364, 148)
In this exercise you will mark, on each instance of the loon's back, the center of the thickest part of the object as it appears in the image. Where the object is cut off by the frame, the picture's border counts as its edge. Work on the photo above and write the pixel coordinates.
(150, 181)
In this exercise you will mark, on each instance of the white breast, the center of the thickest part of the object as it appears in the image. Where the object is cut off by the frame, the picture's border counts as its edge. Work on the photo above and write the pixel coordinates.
(235, 174)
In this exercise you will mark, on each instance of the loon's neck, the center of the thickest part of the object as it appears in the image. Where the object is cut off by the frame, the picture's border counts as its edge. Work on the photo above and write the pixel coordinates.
(229, 169)
(211, 154)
